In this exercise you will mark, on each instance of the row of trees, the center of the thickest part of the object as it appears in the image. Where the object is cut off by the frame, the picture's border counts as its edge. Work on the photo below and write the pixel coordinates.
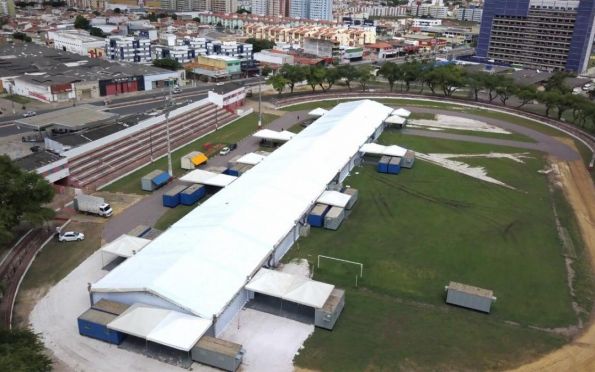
(448, 80)
(83, 23)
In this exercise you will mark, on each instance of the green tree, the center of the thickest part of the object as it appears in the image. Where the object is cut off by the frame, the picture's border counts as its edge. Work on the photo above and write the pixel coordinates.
(526, 94)
(260, 44)
(152, 17)
(117, 10)
(364, 76)
(167, 63)
(474, 80)
(506, 89)
(96, 31)
(391, 72)
(348, 73)
(196, 19)
(411, 72)
(315, 76)
(266, 71)
(293, 74)
(23, 195)
(331, 76)
(81, 22)
(556, 82)
(491, 83)
(21, 36)
(549, 100)
(278, 82)
(22, 350)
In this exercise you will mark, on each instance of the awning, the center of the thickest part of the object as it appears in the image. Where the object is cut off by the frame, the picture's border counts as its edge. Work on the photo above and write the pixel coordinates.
(401, 112)
(208, 178)
(318, 112)
(334, 198)
(165, 327)
(376, 149)
(289, 287)
(199, 158)
(395, 119)
(161, 179)
(251, 159)
(125, 246)
(272, 135)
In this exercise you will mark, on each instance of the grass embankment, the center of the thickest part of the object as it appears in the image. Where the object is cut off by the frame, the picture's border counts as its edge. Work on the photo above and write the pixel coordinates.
(417, 231)
(172, 216)
(231, 133)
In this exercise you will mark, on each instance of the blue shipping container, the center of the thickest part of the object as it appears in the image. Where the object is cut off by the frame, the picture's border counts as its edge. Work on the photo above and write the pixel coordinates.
(232, 172)
(160, 180)
(316, 216)
(383, 164)
(172, 197)
(93, 323)
(192, 194)
(394, 166)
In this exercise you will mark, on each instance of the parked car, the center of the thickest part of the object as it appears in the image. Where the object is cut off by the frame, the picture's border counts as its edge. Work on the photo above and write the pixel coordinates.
(233, 146)
(35, 148)
(177, 90)
(220, 83)
(71, 236)
(29, 114)
(224, 151)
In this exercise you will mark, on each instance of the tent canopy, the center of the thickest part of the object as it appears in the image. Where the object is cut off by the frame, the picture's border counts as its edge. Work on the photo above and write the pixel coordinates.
(271, 135)
(251, 158)
(289, 287)
(199, 158)
(334, 198)
(318, 112)
(166, 327)
(376, 149)
(395, 119)
(125, 246)
(208, 178)
(401, 112)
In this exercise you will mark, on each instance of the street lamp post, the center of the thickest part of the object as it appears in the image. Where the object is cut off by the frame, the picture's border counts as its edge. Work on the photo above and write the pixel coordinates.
(259, 100)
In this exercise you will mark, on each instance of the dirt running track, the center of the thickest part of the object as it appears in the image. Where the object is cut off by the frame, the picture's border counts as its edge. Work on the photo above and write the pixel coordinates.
(579, 355)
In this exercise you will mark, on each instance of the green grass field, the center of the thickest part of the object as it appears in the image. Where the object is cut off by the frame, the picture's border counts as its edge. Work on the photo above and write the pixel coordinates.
(172, 215)
(417, 231)
(231, 133)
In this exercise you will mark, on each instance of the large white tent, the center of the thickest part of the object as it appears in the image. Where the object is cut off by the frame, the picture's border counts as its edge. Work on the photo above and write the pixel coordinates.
(395, 119)
(290, 287)
(125, 246)
(271, 135)
(401, 112)
(318, 112)
(202, 262)
(165, 327)
(251, 158)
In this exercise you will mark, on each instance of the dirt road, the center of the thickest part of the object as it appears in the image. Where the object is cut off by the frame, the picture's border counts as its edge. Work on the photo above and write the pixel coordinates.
(579, 355)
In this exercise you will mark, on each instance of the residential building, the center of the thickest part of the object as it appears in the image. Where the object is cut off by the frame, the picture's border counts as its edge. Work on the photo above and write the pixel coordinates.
(7, 8)
(347, 36)
(128, 49)
(425, 22)
(222, 6)
(311, 9)
(379, 11)
(272, 8)
(186, 49)
(469, 14)
(78, 42)
(538, 34)
(420, 10)
(322, 48)
(216, 67)
(89, 4)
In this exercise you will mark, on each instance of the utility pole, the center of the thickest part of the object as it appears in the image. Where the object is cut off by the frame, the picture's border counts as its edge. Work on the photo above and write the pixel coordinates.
(259, 100)
(168, 105)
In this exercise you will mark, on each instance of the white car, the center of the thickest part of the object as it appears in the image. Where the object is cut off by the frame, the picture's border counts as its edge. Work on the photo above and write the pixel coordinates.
(224, 151)
(29, 114)
(220, 84)
(71, 236)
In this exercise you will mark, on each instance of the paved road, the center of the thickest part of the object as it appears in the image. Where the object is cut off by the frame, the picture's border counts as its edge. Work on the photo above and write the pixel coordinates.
(149, 209)
(543, 142)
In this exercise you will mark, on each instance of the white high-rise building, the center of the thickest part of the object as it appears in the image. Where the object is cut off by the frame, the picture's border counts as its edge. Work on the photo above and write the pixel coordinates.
(311, 9)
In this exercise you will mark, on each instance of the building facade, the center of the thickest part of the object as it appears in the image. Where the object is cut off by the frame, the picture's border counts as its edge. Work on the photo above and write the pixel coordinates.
(311, 9)
(469, 14)
(77, 42)
(538, 34)
(128, 49)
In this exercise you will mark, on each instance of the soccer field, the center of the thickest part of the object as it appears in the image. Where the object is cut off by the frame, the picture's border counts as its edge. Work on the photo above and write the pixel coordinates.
(416, 231)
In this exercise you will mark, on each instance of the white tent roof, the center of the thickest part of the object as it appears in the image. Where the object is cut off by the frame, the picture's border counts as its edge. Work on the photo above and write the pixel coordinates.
(208, 178)
(166, 327)
(290, 287)
(401, 112)
(318, 112)
(395, 119)
(272, 135)
(334, 198)
(125, 246)
(374, 148)
(202, 261)
(251, 158)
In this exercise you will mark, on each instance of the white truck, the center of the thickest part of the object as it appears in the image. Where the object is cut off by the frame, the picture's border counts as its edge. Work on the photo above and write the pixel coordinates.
(92, 204)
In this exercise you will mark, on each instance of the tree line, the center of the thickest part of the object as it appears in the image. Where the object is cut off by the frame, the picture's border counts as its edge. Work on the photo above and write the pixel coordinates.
(446, 80)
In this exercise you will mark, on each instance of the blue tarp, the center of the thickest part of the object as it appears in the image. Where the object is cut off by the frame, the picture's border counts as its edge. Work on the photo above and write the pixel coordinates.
(161, 179)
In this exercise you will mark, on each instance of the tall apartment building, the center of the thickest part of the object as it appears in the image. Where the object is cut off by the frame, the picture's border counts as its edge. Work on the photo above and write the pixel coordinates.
(270, 7)
(469, 14)
(215, 6)
(128, 49)
(311, 9)
(7, 8)
(420, 10)
(539, 34)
